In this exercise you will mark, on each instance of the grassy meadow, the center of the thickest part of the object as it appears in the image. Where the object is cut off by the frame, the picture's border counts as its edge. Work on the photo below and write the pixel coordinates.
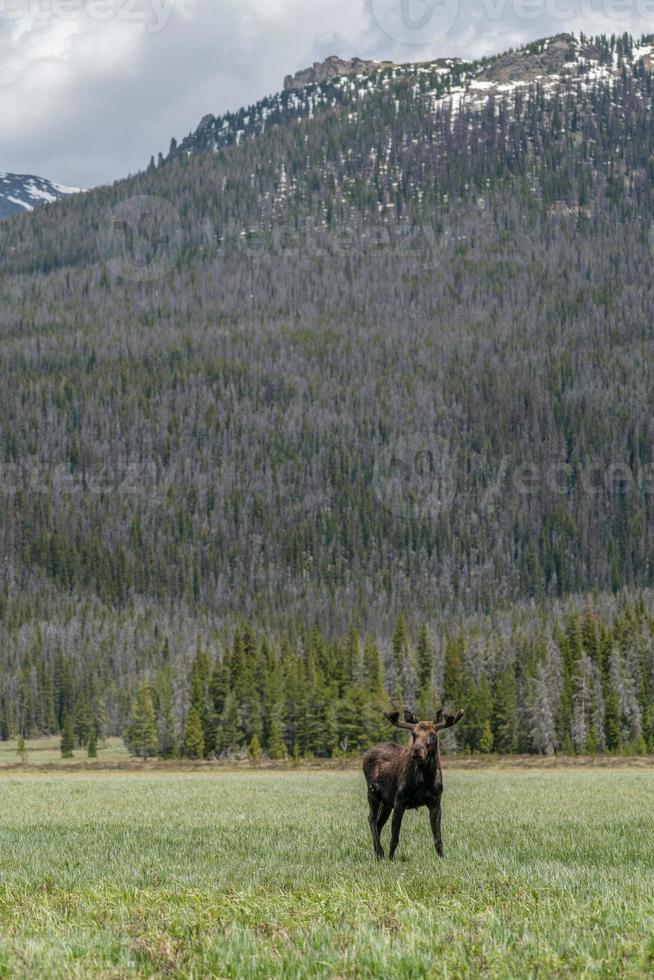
(548, 873)
(46, 753)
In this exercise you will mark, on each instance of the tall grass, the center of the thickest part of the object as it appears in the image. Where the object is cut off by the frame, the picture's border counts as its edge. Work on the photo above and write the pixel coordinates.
(548, 873)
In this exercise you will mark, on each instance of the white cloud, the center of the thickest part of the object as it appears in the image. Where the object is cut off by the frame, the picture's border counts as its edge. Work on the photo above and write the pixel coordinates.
(90, 88)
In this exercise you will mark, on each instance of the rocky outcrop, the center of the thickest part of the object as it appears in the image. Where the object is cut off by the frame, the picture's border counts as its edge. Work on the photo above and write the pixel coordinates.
(206, 123)
(555, 56)
(330, 68)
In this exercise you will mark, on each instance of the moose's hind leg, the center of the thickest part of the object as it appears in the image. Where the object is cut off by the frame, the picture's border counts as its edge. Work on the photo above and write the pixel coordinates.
(376, 807)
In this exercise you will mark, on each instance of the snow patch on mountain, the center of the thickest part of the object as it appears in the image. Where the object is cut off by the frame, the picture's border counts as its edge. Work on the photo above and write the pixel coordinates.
(25, 192)
(552, 64)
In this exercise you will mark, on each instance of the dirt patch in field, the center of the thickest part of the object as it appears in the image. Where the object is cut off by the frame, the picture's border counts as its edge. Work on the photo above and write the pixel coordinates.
(451, 762)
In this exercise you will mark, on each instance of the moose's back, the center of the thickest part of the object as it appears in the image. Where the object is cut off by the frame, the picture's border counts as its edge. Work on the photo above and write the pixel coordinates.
(382, 766)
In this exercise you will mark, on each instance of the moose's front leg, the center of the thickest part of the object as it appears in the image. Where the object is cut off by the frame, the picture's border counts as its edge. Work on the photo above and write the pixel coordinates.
(435, 821)
(398, 813)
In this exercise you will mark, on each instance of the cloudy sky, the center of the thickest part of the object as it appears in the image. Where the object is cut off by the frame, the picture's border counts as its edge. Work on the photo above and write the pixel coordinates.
(90, 88)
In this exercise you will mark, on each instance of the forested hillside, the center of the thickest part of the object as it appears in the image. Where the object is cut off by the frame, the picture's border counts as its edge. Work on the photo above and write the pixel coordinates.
(391, 355)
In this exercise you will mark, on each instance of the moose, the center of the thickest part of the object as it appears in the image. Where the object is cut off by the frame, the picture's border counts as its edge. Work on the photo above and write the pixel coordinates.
(405, 778)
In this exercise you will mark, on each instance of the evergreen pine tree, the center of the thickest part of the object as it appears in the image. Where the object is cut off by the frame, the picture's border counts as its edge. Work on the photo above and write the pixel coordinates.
(378, 700)
(374, 670)
(82, 720)
(648, 728)
(505, 713)
(251, 696)
(255, 752)
(613, 723)
(425, 660)
(4, 721)
(454, 683)
(67, 738)
(229, 736)
(166, 737)
(486, 741)
(92, 744)
(219, 686)
(400, 640)
(354, 720)
(193, 745)
(274, 711)
(355, 659)
(276, 746)
(141, 735)
(399, 647)
(201, 674)
(478, 714)
(331, 724)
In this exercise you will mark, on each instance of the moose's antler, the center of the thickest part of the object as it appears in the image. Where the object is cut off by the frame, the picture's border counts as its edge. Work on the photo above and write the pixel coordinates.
(409, 722)
(447, 721)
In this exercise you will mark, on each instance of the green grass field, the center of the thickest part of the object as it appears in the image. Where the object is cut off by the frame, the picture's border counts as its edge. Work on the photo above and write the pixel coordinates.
(233, 874)
(47, 752)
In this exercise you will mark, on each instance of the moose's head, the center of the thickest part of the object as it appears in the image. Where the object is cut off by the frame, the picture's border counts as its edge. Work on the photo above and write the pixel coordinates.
(424, 733)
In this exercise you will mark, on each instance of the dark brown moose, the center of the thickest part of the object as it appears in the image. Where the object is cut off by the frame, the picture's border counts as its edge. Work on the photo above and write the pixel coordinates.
(405, 778)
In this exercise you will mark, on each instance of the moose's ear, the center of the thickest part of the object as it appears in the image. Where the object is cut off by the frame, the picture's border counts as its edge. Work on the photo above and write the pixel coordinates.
(392, 716)
(438, 716)
(410, 718)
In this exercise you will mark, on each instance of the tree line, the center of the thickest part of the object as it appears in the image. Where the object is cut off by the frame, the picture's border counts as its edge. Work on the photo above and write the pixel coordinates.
(573, 679)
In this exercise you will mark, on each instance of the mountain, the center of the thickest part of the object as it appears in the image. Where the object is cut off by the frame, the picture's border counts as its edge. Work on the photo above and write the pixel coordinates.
(362, 324)
(378, 345)
(24, 192)
(551, 64)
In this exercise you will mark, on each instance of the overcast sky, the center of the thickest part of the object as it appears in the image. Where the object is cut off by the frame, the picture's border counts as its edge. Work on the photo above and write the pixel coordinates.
(89, 89)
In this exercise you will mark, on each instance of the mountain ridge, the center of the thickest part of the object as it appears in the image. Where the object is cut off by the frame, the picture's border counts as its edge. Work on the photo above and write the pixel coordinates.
(552, 62)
